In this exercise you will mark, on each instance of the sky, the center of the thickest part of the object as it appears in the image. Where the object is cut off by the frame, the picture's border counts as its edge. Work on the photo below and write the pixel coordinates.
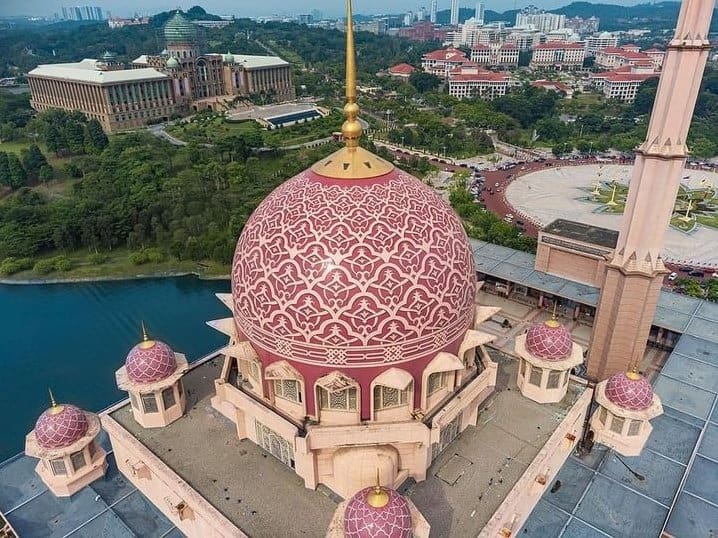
(254, 8)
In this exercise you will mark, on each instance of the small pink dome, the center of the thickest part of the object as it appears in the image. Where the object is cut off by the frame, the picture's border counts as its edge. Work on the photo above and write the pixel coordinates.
(149, 361)
(549, 340)
(630, 391)
(60, 426)
(362, 520)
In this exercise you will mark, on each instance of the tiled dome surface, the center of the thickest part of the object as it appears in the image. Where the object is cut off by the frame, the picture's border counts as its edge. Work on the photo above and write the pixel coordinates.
(548, 342)
(60, 426)
(633, 394)
(353, 273)
(361, 520)
(146, 364)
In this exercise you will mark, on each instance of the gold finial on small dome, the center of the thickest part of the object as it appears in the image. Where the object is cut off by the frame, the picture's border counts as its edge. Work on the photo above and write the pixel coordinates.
(146, 343)
(553, 322)
(378, 497)
(54, 407)
(352, 161)
(633, 374)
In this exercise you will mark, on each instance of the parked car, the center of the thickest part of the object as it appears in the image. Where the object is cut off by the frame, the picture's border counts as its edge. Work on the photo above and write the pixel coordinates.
(699, 274)
(672, 276)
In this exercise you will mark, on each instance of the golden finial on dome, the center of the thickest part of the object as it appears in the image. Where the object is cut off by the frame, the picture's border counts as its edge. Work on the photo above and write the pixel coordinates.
(352, 161)
(633, 373)
(351, 128)
(378, 497)
(553, 322)
(54, 407)
(146, 341)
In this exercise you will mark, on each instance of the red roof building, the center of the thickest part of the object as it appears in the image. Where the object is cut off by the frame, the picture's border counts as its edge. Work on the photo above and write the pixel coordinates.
(496, 54)
(559, 55)
(554, 85)
(441, 62)
(402, 71)
(623, 83)
(471, 80)
(614, 57)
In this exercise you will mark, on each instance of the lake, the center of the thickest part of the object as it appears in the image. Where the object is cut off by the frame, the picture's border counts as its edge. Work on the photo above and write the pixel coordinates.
(72, 338)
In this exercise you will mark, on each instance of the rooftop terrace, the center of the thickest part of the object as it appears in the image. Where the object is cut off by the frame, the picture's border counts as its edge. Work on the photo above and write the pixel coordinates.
(580, 231)
(111, 506)
(264, 498)
(471, 478)
(599, 497)
(255, 491)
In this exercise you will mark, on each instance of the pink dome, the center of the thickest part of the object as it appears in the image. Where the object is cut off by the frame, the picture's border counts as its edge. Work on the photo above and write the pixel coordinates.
(550, 341)
(362, 520)
(630, 391)
(149, 361)
(60, 426)
(360, 272)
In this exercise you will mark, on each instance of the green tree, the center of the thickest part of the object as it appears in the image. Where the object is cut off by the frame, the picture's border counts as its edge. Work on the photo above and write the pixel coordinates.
(33, 161)
(424, 82)
(4, 170)
(17, 175)
(54, 140)
(74, 136)
(95, 138)
(46, 173)
(643, 104)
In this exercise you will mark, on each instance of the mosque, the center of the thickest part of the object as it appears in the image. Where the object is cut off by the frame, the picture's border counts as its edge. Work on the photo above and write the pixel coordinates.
(358, 395)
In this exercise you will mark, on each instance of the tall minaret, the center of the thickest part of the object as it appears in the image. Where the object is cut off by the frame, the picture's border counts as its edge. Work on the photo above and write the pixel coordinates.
(635, 271)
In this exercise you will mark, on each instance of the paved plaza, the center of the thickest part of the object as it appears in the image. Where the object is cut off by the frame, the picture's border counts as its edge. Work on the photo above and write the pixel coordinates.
(564, 192)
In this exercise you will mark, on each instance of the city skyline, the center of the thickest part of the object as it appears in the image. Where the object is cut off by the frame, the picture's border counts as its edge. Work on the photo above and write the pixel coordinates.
(227, 7)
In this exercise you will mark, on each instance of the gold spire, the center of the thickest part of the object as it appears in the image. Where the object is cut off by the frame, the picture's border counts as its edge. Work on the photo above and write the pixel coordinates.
(633, 373)
(553, 322)
(54, 408)
(378, 497)
(351, 128)
(146, 341)
(352, 161)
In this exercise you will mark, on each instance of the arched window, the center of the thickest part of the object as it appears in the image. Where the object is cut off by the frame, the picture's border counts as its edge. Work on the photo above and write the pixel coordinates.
(287, 387)
(389, 397)
(337, 392)
(438, 381)
(341, 400)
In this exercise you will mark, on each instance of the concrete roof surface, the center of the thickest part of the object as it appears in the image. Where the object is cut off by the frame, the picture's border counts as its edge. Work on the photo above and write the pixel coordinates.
(599, 497)
(86, 71)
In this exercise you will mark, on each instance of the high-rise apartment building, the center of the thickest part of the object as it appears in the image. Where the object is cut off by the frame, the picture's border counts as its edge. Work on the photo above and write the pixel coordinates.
(454, 12)
(82, 13)
(432, 11)
(532, 17)
(479, 13)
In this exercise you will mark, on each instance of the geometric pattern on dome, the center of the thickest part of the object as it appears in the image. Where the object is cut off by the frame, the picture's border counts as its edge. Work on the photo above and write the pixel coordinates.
(149, 364)
(58, 430)
(632, 394)
(361, 520)
(547, 342)
(361, 272)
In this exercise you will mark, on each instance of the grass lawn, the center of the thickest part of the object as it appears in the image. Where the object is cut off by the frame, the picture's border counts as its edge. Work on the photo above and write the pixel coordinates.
(16, 146)
(209, 131)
